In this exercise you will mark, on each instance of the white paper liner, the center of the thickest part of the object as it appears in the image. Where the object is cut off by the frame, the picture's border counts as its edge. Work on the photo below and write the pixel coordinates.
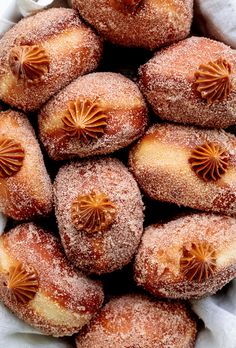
(14, 333)
(29, 7)
(217, 19)
(218, 313)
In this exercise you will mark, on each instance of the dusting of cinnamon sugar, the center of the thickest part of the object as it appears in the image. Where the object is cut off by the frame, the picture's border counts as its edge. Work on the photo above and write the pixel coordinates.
(167, 81)
(209, 161)
(11, 157)
(99, 252)
(189, 257)
(93, 212)
(29, 63)
(199, 262)
(60, 32)
(126, 6)
(161, 167)
(131, 321)
(136, 23)
(29, 192)
(85, 119)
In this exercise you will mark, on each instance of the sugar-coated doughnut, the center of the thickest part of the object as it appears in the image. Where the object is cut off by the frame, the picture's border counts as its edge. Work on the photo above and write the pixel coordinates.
(96, 114)
(43, 53)
(139, 321)
(25, 187)
(100, 214)
(190, 257)
(138, 23)
(192, 82)
(188, 166)
(39, 285)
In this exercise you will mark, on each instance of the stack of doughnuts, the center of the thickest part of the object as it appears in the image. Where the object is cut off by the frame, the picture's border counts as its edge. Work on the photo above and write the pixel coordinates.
(79, 153)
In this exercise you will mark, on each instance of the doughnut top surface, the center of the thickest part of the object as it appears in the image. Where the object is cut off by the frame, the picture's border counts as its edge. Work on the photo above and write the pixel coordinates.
(139, 321)
(189, 257)
(32, 56)
(192, 82)
(138, 23)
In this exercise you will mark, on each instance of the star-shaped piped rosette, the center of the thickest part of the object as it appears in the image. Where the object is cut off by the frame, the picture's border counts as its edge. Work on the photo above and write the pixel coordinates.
(21, 284)
(209, 161)
(11, 157)
(213, 80)
(29, 63)
(93, 212)
(85, 119)
(199, 262)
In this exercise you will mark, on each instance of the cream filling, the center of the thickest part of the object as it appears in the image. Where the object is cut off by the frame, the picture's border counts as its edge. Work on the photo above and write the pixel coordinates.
(5, 261)
(227, 256)
(153, 154)
(55, 314)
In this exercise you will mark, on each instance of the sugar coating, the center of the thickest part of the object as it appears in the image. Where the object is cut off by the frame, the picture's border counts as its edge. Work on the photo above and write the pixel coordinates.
(160, 163)
(121, 101)
(157, 264)
(139, 321)
(73, 50)
(154, 24)
(112, 249)
(58, 281)
(28, 193)
(167, 81)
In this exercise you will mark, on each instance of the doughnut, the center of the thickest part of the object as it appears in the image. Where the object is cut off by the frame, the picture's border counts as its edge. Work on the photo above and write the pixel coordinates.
(43, 53)
(25, 187)
(136, 320)
(187, 166)
(138, 23)
(99, 211)
(96, 114)
(40, 286)
(192, 82)
(187, 258)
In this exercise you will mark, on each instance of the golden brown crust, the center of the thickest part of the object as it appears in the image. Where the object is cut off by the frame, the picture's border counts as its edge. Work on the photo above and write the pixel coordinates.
(147, 23)
(64, 300)
(168, 81)
(106, 250)
(120, 117)
(25, 187)
(190, 257)
(53, 33)
(140, 321)
(161, 163)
